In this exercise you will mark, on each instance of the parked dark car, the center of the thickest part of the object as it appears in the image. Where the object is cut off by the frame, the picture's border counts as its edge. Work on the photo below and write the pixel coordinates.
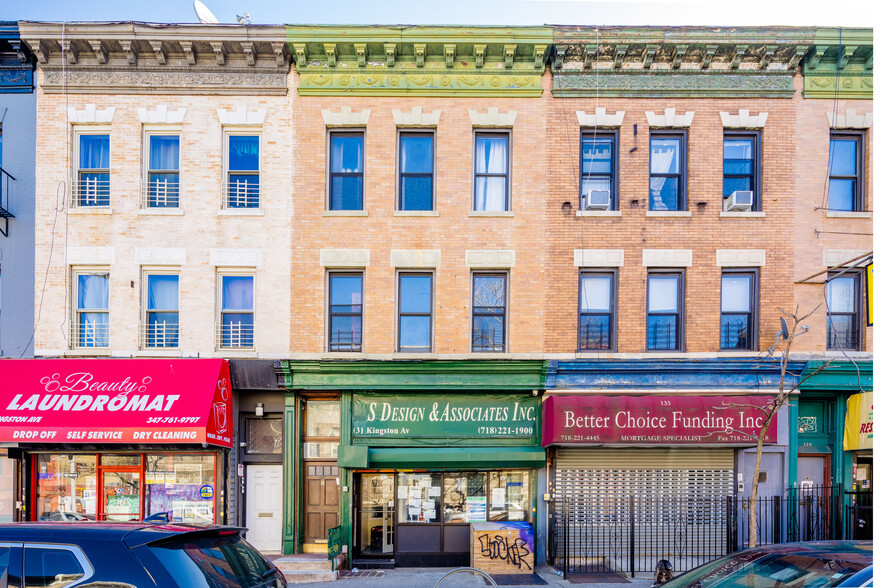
(803, 565)
(131, 555)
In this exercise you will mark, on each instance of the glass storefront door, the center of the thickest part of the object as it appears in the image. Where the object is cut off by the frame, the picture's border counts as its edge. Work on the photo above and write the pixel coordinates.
(377, 514)
(120, 495)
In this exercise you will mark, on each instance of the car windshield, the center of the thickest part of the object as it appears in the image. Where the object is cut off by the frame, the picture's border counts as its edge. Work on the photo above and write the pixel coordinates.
(769, 570)
(220, 561)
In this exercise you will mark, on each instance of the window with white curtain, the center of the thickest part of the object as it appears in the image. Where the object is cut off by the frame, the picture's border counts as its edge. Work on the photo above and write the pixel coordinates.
(163, 170)
(664, 311)
(491, 172)
(161, 325)
(596, 311)
(236, 324)
(843, 303)
(738, 310)
(667, 171)
(92, 182)
(91, 325)
(243, 170)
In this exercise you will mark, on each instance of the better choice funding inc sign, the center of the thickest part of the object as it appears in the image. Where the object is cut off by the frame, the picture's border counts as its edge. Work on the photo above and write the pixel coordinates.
(664, 420)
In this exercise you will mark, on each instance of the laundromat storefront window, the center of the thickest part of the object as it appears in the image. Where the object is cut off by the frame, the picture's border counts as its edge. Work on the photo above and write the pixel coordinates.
(124, 487)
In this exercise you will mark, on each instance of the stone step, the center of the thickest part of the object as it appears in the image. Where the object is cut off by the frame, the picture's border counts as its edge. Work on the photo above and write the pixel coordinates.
(303, 562)
(300, 577)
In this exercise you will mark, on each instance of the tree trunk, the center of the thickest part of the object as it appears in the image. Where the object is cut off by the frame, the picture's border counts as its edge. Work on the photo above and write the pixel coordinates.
(754, 486)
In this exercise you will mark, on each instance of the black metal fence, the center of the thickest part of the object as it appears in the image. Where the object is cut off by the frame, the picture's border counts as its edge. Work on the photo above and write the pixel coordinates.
(629, 534)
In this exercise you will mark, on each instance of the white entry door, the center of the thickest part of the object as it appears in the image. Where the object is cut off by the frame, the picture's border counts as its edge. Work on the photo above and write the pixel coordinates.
(263, 507)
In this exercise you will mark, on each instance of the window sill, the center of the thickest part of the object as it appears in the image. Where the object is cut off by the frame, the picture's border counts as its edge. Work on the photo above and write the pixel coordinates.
(849, 214)
(87, 352)
(491, 213)
(89, 210)
(415, 213)
(236, 352)
(240, 212)
(161, 212)
(344, 213)
(599, 213)
(669, 213)
(158, 353)
(745, 214)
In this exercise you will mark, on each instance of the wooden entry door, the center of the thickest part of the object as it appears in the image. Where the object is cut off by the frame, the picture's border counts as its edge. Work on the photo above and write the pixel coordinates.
(321, 501)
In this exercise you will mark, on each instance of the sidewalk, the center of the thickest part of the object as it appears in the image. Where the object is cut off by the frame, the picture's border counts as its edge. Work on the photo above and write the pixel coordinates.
(427, 577)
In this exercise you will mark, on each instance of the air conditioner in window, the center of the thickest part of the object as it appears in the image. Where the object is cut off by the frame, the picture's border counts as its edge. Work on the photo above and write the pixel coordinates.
(596, 200)
(738, 201)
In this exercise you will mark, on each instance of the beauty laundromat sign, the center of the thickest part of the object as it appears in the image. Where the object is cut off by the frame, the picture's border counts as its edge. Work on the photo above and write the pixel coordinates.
(663, 420)
(485, 416)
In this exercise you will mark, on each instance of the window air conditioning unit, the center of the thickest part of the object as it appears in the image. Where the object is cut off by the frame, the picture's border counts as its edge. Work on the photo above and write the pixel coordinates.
(738, 201)
(596, 200)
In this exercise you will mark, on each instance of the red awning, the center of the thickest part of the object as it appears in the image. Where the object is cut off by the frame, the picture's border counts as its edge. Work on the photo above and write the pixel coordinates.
(147, 401)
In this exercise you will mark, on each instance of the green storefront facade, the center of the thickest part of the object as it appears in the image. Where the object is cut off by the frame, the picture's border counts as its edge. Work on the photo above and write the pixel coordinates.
(422, 449)
(818, 415)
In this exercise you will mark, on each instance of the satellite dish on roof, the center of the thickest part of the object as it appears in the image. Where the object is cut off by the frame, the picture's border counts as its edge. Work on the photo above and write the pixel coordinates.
(204, 15)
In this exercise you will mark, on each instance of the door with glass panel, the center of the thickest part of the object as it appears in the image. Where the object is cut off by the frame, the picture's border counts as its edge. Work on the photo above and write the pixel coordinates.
(376, 533)
(120, 495)
(321, 437)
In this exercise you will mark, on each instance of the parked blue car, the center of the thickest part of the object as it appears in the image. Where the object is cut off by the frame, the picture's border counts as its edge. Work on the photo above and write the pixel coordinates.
(131, 555)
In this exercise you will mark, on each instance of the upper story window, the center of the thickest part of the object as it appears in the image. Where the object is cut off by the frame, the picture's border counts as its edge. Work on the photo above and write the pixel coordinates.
(599, 175)
(93, 170)
(738, 310)
(491, 172)
(91, 325)
(163, 171)
(664, 310)
(415, 312)
(416, 166)
(346, 184)
(243, 171)
(741, 166)
(488, 312)
(667, 171)
(345, 312)
(843, 323)
(846, 171)
(236, 329)
(596, 311)
(161, 324)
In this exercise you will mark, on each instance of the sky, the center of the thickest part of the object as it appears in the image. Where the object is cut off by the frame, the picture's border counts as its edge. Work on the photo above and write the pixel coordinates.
(853, 13)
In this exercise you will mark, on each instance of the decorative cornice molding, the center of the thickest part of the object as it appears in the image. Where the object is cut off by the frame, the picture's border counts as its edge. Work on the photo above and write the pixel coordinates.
(162, 115)
(851, 120)
(416, 118)
(420, 61)
(600, 118)
(670, 119)
(842, 87)
(142, 81)
(243, 115)
(744, 120)
(493, 119)
(90, 115)
(663, 83)
(142, 58)
(346, 118)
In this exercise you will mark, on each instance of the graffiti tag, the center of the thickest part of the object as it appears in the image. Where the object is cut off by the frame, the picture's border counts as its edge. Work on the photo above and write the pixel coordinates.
(513, 551)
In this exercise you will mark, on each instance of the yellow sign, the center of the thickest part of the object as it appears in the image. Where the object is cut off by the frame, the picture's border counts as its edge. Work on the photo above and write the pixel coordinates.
(859, 422)
(870, 295)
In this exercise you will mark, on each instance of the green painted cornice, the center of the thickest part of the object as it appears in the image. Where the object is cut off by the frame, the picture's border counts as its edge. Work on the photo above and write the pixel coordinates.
(839, 375)
(840, 65)
(419, 61)
(411, 375)
(678, 61)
